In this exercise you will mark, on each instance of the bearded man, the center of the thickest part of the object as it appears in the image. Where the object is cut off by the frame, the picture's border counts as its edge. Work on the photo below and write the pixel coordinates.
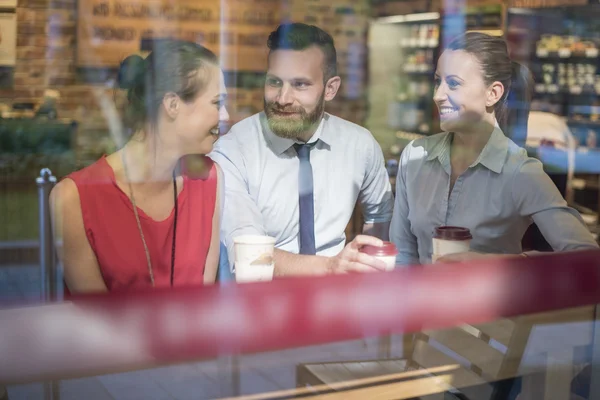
(295, 172)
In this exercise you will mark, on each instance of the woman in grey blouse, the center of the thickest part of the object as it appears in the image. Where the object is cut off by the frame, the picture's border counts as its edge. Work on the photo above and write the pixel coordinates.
(472, 175)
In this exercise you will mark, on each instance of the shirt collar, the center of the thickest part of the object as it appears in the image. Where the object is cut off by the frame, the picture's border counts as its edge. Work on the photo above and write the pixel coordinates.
(492, 156)
(441, 148)
(281, 145)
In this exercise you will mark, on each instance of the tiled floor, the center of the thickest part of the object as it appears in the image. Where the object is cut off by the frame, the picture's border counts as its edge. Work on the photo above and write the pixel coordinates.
(195, 381)
(206, 380)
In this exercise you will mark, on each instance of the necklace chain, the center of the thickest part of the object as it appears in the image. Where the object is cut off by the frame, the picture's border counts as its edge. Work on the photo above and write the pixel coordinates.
(139, 224)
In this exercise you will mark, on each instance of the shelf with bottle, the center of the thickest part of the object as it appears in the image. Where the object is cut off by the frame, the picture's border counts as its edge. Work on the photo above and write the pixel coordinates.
(415, 92)
(418, 39)
(565, 47)
(584, 123)
(418, 69)
(420, 61)
(576, 122)
(422, 36)
(575, 90)
(570, 78)
(584, 115)
(412, 108)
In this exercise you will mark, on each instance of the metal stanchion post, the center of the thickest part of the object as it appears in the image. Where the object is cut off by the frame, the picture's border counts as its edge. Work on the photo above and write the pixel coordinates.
(50, 276)
(50, 279)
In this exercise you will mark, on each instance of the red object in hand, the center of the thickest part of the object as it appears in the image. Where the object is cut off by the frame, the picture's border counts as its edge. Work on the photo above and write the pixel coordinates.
(388, 249)
(386, 253)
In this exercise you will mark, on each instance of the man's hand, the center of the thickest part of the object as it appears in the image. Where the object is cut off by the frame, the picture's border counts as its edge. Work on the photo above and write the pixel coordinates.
(351, 259)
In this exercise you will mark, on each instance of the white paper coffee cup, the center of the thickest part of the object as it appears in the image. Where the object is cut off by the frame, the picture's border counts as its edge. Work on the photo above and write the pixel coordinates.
(444, 247)
(450, 240)
(254, 258)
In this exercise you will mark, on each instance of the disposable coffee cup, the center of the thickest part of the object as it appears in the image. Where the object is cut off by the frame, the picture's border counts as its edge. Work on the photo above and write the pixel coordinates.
(450, 240)
(254, 258)
(386, 253)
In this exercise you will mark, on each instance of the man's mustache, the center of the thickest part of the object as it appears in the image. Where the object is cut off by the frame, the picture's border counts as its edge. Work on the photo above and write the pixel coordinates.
(275, 108)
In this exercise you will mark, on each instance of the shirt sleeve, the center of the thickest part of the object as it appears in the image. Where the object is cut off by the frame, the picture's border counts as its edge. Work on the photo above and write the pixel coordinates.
(400, 233)
(376, 197)
(537, 197)
(241, 215)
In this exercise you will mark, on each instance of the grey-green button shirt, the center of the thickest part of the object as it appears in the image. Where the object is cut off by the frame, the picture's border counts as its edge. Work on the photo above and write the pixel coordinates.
(497, 198)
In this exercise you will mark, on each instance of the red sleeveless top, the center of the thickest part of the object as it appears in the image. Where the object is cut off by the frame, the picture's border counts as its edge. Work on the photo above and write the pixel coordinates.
(113, 234)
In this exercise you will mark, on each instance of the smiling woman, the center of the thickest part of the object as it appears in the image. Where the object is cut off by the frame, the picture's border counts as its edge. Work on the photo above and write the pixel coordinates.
(472, 175)
(483, 85)
(137, 218)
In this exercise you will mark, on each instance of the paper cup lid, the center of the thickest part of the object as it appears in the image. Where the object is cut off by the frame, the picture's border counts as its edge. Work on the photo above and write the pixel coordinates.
(388, 249)
(452, 233)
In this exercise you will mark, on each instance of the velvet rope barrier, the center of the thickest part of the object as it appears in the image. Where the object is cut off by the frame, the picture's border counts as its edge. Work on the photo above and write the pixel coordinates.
(96, 334)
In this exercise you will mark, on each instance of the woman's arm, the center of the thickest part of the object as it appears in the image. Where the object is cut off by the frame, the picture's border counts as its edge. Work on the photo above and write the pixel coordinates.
(400, 232)
(536, 196)
(81, 270)
(212, 259)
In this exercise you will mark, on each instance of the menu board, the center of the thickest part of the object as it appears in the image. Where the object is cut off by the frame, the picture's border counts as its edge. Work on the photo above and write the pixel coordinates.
(236, 30)
(8, 39)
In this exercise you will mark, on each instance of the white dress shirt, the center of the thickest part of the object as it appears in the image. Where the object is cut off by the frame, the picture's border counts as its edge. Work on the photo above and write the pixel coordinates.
(261, 183)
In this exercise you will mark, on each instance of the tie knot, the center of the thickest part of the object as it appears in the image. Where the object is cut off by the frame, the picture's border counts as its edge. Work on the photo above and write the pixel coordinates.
(303, 150)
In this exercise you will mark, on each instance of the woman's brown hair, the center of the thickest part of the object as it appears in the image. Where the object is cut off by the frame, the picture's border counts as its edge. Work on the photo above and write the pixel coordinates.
(172, 66)
(512, 110)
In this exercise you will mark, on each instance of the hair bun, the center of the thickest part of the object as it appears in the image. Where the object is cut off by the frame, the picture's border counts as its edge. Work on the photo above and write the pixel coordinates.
(131, 72)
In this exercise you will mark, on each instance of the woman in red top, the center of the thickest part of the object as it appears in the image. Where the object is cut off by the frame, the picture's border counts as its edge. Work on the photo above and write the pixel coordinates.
(139, 217)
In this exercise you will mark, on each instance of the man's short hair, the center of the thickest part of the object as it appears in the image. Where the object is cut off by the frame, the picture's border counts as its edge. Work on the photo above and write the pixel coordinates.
(298, 36)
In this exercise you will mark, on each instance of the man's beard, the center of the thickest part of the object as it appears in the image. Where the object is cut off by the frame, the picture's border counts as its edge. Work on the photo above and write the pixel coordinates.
(294, 126)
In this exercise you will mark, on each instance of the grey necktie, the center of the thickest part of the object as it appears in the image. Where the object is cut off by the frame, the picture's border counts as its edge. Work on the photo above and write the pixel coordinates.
(306, 200)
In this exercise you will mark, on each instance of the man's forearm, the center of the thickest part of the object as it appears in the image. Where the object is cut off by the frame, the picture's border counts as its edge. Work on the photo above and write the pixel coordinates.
(290, 264)
(380, 230)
